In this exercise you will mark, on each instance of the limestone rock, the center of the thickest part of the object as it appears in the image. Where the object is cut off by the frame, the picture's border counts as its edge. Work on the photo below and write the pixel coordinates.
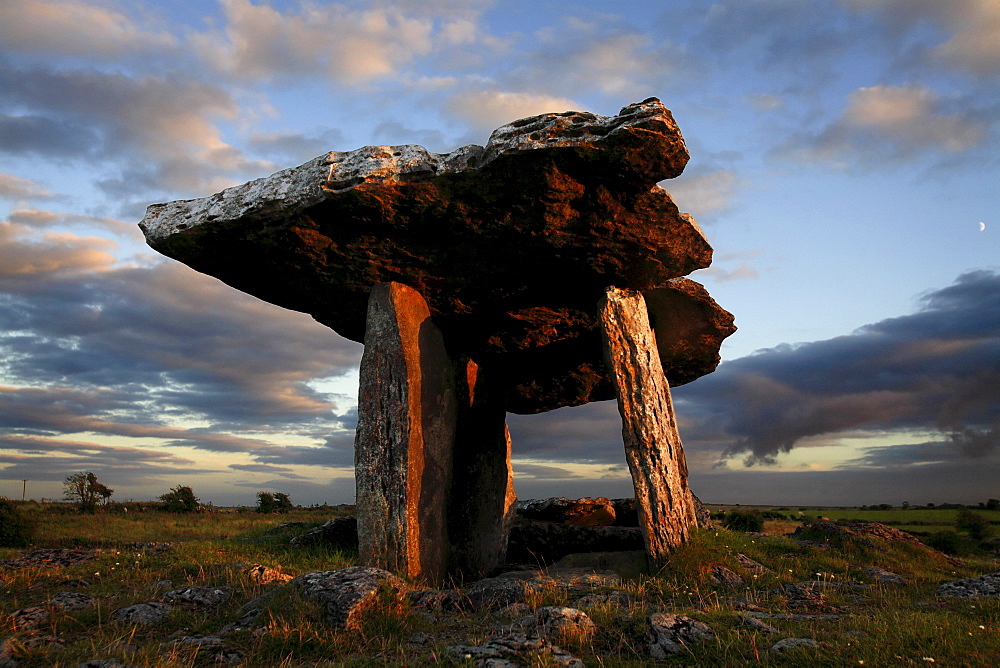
(579, 512)
(143, 614)
(510, 650)
(340, 533)
(200, 596)
(511, 244)
(69, 600)
(669, 635)
(563, 624)
(262, 575)
(884, 577)
(723, 576)
(981, 587)
(346, 594)
(787, 644)
(499, 592)
(532, 541)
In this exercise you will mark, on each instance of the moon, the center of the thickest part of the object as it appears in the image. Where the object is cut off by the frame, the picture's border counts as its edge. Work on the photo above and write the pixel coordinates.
(982, 226)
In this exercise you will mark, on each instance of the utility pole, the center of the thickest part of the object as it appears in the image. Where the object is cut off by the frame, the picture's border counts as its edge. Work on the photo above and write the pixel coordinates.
(24, 489)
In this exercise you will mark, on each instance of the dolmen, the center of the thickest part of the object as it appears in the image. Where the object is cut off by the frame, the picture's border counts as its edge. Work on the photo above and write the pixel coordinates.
(544, 269)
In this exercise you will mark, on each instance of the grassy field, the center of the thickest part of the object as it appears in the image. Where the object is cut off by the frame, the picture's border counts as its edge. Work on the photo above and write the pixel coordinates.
(921, 520)
(879, 626)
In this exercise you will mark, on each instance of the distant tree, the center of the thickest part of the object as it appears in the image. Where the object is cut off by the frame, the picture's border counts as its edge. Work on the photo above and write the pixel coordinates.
(180, 499)
(282, 503)
(16, 530)
(972, 523)
(743, 520)
(84, 489)
(265, 502)
(906, 505)
(993, 504)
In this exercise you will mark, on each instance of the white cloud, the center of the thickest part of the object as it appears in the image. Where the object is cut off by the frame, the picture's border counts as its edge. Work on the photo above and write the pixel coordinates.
(704, 192)
(57, 253)
(487, 110)
(972, 28)
(260, 43)
(890, 123)
(16, 188)
(73, 28)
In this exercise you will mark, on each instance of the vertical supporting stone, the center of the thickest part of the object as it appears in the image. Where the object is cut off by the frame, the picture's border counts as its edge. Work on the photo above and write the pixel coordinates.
(652, 445)
(481, 508)
(406, 428)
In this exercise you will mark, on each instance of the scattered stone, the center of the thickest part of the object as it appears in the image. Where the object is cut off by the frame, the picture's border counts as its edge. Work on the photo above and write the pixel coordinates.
(346, 594)
(245, 623)
(289, 526)
(200, 596)
(72, 601)
(29, 619)
(981, 587)
(340, 533)
(757, 624)
(578, 512)
(143, 614)
(750, 564)
(884, 577)
(670, 635)
(200, 642)
(612, 599)
(499, 592)
(163, 584)
(721, 575)
(46, 558)
(262, 575)
(439, 600)
(786, 644)
(102, 663)
(794, 617)
(564, 624)
(507, 649)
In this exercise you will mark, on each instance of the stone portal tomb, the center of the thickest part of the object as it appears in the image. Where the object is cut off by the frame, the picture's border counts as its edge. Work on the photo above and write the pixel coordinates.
(478, 282)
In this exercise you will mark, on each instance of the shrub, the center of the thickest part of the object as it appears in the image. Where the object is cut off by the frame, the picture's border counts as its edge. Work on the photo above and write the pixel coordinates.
(273, 503)
(16, 530)
(743, 520)
(951, 543)
(974, 524)
(265, 502)
(180, 499)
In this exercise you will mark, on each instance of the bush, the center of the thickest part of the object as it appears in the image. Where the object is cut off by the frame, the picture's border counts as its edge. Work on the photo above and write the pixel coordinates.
(974, 524)
(273, 503)
(180, 499)
(16, 530)
(743, 520)
(951, 543)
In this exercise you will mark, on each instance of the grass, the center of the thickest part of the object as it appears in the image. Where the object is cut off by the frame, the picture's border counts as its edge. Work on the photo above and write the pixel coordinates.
(882, 626)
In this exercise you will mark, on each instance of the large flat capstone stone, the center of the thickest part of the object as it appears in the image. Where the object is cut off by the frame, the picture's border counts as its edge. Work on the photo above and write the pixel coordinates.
(512, 244)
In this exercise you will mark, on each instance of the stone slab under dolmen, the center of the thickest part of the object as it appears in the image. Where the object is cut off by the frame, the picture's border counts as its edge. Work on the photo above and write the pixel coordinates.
(346, 594)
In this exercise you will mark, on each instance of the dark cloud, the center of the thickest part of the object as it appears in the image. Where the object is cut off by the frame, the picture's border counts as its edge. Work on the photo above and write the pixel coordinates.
(936, 369)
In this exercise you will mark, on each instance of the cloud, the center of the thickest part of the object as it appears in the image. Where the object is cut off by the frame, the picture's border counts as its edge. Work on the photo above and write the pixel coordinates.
(704, 192)
(161, 129)
(75, 29)
(931, 371)
(970, 29)
(57, 254)
(16, 188)
(40, 218)
(260, 43)
(486, 110)
(891, 123)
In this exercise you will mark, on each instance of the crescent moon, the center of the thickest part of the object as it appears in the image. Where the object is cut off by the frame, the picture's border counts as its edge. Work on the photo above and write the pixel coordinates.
(982, 226)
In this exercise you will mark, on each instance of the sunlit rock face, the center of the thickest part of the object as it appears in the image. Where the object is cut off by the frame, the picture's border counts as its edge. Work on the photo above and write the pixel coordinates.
(511, 244)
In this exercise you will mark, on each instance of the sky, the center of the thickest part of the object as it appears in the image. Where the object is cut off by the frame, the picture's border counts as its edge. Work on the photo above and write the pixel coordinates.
(845, 167)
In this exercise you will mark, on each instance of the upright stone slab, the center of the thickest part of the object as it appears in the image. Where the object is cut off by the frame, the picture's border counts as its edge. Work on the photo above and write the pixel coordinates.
(406, 428)
(481, 509)
(652, 445)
